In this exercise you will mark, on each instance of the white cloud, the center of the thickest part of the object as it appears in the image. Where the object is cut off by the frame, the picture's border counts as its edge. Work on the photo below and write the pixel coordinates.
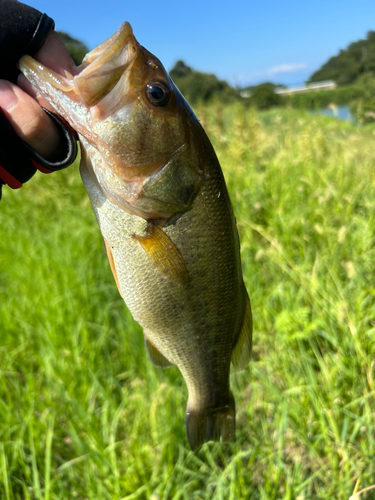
(286, 68)
(280, 72)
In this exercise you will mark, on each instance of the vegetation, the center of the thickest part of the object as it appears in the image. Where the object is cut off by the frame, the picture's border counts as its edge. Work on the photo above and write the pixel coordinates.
(84, 414)
(263, 96)
(197, 86)
(323, 98)
(204, 87)
(345, 68)
(363, 107)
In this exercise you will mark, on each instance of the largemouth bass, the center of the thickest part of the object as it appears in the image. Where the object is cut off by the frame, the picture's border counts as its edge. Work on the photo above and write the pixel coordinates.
(162, 205)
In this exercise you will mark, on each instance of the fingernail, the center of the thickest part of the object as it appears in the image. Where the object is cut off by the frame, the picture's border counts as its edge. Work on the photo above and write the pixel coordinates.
(8, 97)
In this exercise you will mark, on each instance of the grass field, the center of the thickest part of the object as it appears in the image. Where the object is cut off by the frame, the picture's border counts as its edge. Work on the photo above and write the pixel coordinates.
(84, 414)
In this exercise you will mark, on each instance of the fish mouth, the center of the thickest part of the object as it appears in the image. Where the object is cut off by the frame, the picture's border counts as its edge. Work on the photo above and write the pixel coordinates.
(100, 71)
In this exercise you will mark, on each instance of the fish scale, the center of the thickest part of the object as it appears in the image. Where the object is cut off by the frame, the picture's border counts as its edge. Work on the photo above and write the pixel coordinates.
(193, 309)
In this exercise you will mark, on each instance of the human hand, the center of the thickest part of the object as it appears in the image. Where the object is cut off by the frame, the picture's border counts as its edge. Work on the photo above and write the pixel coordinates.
(30, 138)
(21, 106)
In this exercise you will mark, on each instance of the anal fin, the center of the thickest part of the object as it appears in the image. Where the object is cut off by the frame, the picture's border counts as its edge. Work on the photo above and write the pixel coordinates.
(155, 355)
(242, 350)
(163, 252)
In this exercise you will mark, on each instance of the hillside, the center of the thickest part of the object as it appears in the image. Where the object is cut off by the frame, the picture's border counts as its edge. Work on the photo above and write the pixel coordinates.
(345, 68)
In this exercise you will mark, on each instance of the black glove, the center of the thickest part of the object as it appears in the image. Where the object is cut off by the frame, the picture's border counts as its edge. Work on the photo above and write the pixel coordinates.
(23, 30)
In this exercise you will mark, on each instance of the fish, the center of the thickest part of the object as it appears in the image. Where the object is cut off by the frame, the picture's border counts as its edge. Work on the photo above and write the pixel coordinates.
(163, 208)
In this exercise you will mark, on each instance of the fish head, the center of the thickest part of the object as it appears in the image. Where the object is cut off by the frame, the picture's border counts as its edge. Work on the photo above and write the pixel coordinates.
(142, 143)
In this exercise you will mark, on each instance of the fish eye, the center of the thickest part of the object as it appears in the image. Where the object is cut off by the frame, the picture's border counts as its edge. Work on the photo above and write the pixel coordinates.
(158, 94)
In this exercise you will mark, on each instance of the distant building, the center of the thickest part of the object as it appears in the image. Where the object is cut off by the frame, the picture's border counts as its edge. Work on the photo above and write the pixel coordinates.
(326, 85)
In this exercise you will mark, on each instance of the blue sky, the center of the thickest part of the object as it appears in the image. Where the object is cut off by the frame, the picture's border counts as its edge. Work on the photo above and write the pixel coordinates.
(242, 42)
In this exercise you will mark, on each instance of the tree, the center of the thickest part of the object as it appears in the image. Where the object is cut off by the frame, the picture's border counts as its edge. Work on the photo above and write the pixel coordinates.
(198, 86)
(345, 68)
(264, 97)
(180, 70)
(363, 108)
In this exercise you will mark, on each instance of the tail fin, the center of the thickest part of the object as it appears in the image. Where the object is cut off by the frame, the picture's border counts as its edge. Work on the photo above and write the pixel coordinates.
(210, 424)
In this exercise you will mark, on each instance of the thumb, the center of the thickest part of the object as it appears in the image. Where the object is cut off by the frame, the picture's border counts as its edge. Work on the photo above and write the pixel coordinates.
(28, 120)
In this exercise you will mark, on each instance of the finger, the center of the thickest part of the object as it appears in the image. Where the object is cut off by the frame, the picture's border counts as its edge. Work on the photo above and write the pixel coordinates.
(28, 120)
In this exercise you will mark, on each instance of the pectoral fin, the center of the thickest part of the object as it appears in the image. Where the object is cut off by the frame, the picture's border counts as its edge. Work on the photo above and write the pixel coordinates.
(155, 356)
(163, 253)
(111, 262)
(242, 350)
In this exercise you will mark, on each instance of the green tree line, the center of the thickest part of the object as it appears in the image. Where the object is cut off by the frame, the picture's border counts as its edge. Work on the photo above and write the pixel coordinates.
(349, 64)
(198, 86)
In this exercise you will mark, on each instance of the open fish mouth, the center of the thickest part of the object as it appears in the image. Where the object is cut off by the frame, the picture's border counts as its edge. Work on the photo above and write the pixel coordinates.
(99, 73)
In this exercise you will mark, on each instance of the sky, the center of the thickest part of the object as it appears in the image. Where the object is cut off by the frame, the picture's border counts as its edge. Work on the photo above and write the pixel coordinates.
(243, 42)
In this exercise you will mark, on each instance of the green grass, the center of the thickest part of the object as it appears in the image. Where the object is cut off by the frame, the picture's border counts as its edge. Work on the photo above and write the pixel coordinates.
(84, 414)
